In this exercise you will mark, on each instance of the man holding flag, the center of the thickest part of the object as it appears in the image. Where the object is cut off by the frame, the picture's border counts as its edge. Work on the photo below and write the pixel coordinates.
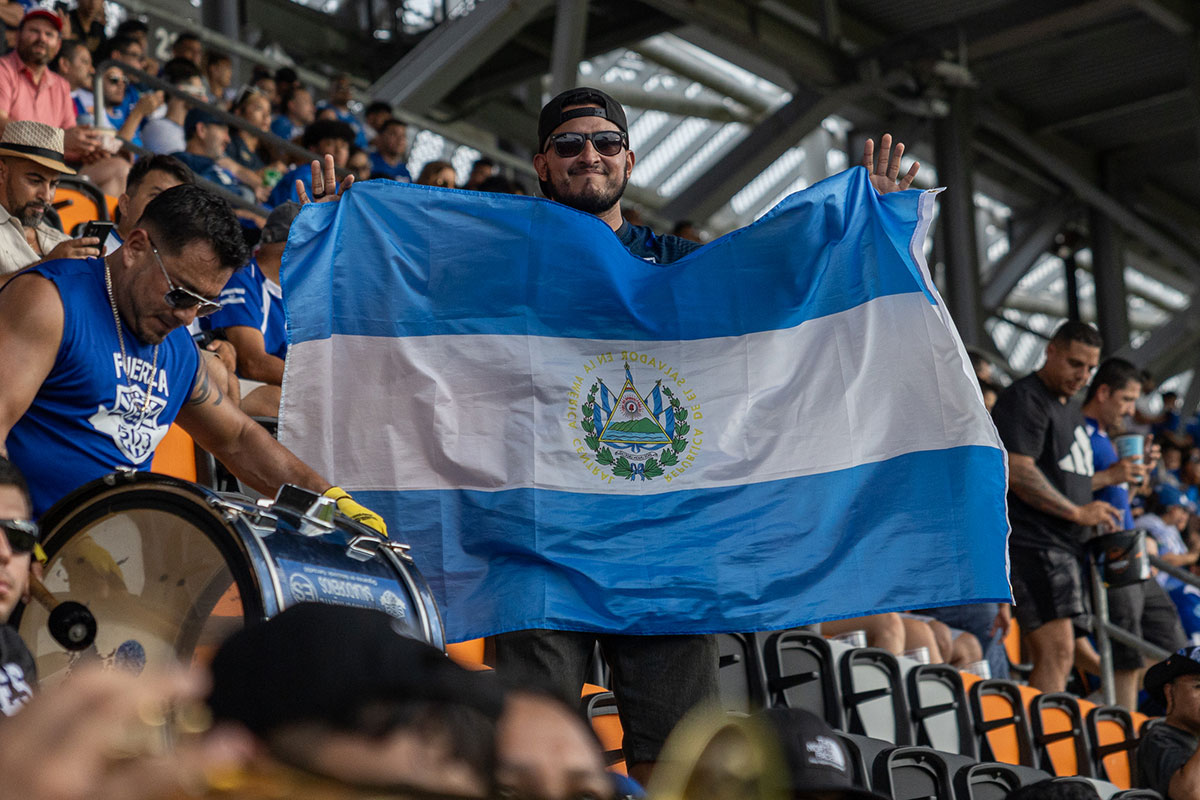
(584, 161)
(635, 441)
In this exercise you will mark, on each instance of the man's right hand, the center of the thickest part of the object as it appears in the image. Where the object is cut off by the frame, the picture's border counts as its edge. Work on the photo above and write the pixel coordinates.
(75, 248)
(1099, 512)
(81, 142)
(1127, 470)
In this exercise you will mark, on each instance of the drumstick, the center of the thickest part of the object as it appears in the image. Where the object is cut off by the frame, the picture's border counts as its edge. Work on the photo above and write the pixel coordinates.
(70, 623)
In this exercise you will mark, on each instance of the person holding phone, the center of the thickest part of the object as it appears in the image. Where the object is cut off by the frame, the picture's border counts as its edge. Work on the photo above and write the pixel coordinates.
(31, 163)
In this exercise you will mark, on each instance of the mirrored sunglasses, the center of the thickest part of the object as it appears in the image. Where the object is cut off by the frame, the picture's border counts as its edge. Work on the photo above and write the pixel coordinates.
(178, 297)
(22, 534)
(607, 143)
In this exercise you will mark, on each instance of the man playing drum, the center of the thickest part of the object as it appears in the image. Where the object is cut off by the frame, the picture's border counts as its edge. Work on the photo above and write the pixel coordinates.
(95, 361)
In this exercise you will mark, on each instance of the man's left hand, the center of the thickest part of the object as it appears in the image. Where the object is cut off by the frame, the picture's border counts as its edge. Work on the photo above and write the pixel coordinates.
(884, 169)
(356, 511)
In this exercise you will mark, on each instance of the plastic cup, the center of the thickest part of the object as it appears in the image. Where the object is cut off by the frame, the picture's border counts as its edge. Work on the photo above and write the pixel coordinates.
(983, 669)
(852, 638)
(918, 654)
(1130, 445)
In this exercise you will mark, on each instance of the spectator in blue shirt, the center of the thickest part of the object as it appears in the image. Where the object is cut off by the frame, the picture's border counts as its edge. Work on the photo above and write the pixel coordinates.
(251, 317)
(298, 113)
(325, 136)
(207, 137)
(340, 95)
(391, 152)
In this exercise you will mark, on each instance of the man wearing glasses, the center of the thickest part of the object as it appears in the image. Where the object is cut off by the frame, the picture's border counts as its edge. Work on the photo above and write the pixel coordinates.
(95, 363)
(584, 161)
(18, 674)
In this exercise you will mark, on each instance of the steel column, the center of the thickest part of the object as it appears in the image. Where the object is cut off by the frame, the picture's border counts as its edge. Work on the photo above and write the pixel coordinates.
(570, 33)
(952, 147)
(1108, 274)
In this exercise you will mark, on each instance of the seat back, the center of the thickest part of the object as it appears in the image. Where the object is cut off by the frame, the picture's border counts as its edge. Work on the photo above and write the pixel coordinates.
(863, 752)
(1103, 789)
(873, 695)
(801, 674)
(740, 675)
(1001, 724)
(938, 704)
(78, 202)
(1137, 794)
(1059, 739)
(175, 455)
(1113, 738)
(600, 707)
(909, 773)
(469, 654)
(986, 781)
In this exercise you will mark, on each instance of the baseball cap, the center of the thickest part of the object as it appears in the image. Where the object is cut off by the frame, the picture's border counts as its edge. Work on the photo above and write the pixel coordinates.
(195, 116)
(1185, 661)
(1169, 495)
(324, 663)
(43, 13)
(816, 758)
(279, 222)
(553, 115)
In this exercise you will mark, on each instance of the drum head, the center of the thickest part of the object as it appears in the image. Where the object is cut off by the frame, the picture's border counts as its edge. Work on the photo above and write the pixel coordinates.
(160, 567)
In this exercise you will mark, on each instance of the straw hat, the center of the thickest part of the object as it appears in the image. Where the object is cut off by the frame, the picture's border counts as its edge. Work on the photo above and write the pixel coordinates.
(36, 141)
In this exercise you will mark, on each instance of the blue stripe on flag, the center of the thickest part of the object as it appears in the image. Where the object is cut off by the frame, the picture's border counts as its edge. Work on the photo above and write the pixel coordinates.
(573, 278)
(899, 534)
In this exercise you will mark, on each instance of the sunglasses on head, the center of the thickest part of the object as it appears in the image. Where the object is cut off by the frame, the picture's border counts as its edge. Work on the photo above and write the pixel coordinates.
(607, 143)
(22, 534)
(179, 297)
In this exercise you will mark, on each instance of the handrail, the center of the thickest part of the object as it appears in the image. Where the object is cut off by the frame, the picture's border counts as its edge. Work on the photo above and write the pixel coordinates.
(234, 200)
(1176, 572)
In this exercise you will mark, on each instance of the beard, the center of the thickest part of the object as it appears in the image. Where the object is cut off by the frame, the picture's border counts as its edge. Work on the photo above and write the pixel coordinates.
(591, 199)
(36, 54)
(31, 214)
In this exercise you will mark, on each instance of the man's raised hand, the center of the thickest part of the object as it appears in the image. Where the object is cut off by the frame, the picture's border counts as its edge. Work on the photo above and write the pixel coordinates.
(324, 183)
(884, 167)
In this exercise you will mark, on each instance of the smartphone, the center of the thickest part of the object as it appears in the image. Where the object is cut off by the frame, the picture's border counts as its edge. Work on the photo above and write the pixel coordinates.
(98, 229)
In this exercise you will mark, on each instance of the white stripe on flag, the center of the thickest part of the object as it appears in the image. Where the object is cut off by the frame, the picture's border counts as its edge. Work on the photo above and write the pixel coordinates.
(460, 411)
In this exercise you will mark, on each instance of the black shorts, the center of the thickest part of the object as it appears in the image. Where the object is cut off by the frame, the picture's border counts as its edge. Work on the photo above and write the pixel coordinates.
(1145, 610)
(1047, 585)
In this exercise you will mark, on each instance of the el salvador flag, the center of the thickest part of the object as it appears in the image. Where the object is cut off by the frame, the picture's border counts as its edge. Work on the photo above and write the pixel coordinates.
(780, 428)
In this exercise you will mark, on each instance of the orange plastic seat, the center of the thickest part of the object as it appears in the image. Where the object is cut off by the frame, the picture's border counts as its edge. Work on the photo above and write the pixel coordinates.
(468, 654)
(176, 455)
(600, 706)
(1056, 719)
(1002, 722)
(1114, 738)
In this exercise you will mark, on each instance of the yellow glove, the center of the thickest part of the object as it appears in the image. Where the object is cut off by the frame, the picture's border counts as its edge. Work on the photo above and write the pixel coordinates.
(355, 511)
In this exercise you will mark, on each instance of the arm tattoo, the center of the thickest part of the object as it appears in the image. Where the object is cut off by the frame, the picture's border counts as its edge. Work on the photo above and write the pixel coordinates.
(205, 389)
(1031, 485)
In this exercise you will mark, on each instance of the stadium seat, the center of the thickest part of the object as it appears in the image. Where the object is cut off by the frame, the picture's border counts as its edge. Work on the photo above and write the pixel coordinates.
(740, 674)
(600, 707)
(175, 455)
(1059, 739)
(1001, 724)
(1113, 739)
(1137, 794)
(801, 674)
(909, 773)
(78, 202)
(873, 695)
(986, 781)
(938, 703)
(467, 654)
(863, 752)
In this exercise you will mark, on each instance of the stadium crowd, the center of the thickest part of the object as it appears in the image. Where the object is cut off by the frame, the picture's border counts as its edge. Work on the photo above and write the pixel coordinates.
(431, 727)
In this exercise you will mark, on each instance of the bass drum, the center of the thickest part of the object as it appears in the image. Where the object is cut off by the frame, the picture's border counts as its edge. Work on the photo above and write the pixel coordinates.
(169, 569)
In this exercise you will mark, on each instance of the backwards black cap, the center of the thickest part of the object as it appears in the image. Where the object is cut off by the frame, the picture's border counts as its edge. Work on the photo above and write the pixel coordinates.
(816, 758)
(327, 663)
(598, 104)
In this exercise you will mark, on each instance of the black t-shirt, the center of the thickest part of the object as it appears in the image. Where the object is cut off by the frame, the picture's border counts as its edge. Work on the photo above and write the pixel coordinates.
(645, 243)
(18, 673)
(1161, 752)
(1032, 422)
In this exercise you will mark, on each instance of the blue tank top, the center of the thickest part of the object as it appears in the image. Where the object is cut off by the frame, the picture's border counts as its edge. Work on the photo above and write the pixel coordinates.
(87, 419)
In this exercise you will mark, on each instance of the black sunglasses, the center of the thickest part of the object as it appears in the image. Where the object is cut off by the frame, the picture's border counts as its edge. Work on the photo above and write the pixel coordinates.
(607, 143)
(22, 534)
(178, 297)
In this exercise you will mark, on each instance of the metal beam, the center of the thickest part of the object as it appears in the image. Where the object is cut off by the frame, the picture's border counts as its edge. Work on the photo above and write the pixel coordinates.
(570, 33)
(766, 142)
(952, 146)
(1110, 112)
(1177, 334)
(675, 54)
(1192, 399)
(1108, 277)
(1008, 271)
(1043, 28)
(452, 51)
(678, 104)
(1087, 191)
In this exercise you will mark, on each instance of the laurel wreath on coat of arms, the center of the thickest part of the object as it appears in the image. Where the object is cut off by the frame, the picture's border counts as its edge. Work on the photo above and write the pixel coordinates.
(595, 423)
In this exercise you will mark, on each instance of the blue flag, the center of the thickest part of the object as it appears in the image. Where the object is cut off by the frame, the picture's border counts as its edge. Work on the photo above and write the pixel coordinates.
(778, 429)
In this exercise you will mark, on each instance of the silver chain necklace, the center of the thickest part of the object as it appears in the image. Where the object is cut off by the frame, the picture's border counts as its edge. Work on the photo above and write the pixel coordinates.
(112, 302)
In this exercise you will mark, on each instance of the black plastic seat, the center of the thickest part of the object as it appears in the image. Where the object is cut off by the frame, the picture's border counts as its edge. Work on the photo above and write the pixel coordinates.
(801, 674)
(913, 773)
(740, 676)
(863, 752)
(873, 695)
(988, 780)
(938, 704)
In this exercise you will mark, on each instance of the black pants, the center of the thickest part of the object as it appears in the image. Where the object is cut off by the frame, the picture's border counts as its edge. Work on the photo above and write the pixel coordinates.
(656, 679)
